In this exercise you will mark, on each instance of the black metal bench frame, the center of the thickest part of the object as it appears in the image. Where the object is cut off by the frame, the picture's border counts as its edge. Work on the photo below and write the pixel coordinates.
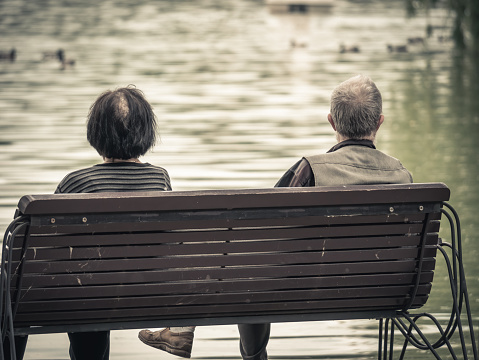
(89, 262)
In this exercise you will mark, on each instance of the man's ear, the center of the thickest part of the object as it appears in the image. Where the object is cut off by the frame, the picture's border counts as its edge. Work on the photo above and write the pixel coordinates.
(330, 119)
(380, 122)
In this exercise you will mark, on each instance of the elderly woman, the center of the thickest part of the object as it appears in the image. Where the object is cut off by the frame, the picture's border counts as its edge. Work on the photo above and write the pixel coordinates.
(122, 127)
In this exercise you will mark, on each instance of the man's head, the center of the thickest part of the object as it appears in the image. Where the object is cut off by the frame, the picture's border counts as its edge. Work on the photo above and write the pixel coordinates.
(356, 107)
(121, 124)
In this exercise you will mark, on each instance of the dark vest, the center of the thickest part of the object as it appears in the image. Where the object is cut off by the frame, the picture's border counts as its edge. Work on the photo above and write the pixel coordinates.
(357, 165)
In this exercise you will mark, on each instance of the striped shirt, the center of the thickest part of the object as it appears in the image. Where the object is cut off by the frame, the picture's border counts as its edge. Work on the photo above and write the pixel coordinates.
(116, 177)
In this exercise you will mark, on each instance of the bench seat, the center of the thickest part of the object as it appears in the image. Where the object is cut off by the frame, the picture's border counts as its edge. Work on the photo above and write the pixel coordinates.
(83, 262)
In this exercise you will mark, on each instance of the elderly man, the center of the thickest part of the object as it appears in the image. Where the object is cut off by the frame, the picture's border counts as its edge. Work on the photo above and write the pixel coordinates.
(356, 115)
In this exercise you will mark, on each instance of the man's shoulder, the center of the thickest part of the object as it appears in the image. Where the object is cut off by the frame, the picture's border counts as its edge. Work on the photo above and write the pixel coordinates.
(299, 175)
(358, 160)
(350, 152)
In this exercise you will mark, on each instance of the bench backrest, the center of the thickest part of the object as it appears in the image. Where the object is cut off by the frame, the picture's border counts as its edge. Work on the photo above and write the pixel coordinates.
(124, 260)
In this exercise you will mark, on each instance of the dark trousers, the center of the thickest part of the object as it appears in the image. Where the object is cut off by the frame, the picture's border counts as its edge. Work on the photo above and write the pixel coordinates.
(90, 345)
(83, 346)
(253, 341)
(20, 345)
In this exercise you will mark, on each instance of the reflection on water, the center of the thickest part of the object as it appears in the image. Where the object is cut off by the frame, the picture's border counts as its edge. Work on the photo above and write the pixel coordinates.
(241, 94)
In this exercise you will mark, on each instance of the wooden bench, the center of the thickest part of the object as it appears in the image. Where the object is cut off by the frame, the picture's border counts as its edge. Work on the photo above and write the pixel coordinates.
(84, 262)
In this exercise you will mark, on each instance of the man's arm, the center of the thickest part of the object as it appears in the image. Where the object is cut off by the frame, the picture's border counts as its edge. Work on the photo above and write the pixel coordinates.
(299, 175)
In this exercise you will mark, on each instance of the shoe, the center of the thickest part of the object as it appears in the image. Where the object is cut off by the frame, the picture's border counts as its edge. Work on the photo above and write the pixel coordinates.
(178, 344)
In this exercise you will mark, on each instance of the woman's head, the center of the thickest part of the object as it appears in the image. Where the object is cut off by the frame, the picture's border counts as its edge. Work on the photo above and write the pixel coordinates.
(121, 124)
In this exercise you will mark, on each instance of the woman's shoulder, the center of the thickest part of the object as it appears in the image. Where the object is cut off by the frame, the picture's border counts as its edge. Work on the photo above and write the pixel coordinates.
(81, 172)
(106, 173)
(148, 165)
(74, 176)
(151, 167)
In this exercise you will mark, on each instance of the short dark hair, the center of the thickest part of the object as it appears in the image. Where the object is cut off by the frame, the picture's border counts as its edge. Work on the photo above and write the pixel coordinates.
(121, 124)
(356, 105)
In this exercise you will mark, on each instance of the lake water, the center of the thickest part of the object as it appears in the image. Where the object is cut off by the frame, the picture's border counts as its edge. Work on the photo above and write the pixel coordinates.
(237, 106)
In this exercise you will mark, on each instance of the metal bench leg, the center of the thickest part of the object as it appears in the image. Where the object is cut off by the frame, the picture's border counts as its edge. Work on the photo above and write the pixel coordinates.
(6, 309)
(384, 337)
(460, 300)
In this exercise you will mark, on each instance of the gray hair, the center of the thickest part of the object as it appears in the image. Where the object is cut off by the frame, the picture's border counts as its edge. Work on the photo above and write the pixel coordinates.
(356, 106)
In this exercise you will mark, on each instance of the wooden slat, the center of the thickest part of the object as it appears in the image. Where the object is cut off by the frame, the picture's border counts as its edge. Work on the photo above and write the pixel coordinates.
(228, 298)
(259, 198)
(166, 262)
(109, 315)
(141, 277)
(222, 214)
(168, 249)
(207, 287)
(162, 225)
(84, 238)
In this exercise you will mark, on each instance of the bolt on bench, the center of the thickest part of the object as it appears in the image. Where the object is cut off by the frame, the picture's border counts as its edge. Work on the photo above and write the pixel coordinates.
(87, 262)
